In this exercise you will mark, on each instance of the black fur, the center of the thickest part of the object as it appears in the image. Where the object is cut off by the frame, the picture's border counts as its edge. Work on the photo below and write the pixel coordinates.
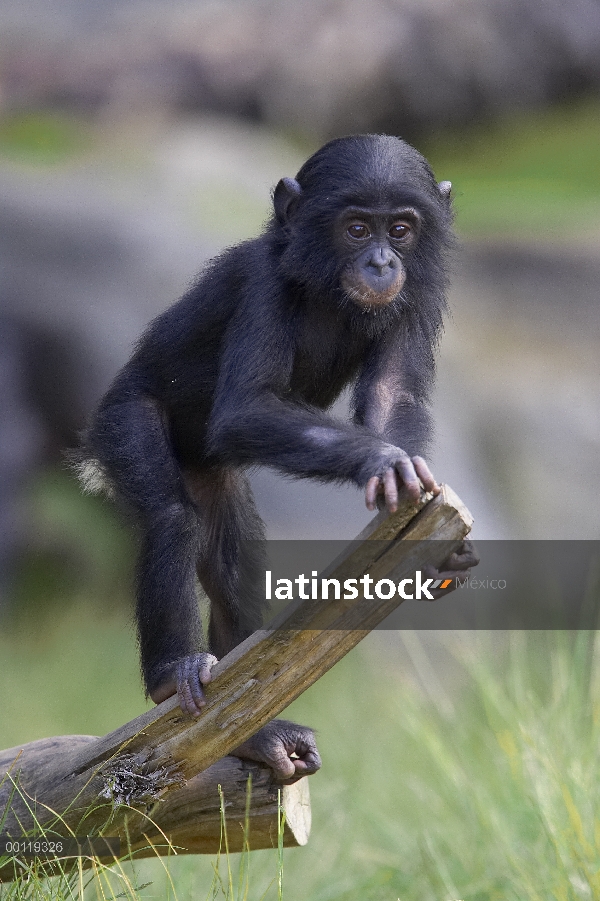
(241, 371)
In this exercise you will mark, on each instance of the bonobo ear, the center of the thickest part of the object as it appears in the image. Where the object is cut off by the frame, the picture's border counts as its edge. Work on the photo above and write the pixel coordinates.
(445, 188)
(284, 196)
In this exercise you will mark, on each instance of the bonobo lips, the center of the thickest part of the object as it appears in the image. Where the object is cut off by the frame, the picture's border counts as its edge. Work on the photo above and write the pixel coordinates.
(377, 290)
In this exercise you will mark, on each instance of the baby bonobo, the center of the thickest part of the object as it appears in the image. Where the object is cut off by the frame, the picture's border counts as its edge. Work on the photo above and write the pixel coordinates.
(346, 286)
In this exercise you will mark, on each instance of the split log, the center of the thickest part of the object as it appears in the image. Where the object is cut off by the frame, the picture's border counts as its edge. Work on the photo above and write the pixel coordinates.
(190, 815)
(163, 748)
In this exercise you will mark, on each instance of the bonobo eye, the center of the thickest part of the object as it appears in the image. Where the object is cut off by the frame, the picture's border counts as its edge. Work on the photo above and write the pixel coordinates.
(400, 230)
(359, 231)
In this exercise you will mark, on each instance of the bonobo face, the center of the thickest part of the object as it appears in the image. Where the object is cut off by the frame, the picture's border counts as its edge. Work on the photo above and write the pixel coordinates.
(376, 244)
(363, 224)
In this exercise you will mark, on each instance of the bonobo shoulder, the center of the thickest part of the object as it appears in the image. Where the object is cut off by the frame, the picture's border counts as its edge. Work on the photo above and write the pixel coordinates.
(210, 302)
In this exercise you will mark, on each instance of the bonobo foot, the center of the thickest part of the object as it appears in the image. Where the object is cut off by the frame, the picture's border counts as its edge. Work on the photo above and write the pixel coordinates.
(288, 749)
(186, 678)
(457, 566)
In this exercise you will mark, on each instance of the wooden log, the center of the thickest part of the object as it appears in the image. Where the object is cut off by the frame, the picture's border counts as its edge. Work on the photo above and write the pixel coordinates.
(190, 815)
(161, 749)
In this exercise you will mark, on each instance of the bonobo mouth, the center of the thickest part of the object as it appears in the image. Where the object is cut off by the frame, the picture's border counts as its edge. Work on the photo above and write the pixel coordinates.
(367, 295)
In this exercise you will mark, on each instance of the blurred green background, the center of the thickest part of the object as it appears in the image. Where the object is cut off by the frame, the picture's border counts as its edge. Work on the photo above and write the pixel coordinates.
(455, 766)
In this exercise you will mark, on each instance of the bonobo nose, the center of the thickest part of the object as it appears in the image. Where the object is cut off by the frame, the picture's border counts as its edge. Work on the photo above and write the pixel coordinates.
(382, 259)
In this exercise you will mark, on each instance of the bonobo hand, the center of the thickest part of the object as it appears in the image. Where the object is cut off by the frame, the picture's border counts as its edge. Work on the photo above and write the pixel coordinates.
(461, 561)
(406, 470)
(287, 748)
(187, 677)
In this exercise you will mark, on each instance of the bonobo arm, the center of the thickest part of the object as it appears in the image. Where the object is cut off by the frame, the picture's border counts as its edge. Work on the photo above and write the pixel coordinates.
(390, 399)
(391, 396)
(275, 744)
(253, 422)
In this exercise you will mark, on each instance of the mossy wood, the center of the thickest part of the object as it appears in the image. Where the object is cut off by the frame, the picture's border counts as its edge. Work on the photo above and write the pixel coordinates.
(157, 753)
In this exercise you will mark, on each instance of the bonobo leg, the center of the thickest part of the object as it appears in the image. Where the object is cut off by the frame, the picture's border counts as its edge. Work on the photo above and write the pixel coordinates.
(130, 440)
(231, 570)
(231, 563)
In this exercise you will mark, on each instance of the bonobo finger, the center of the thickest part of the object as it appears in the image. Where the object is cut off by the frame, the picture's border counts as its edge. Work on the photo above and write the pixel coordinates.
(200, 674)
(189, 689)
(195, 686)
(463, 558)
(459, 562)
(205, 667)
(284, 768)
(426, 476)
(390, 489)
(371, 492)
(407, 473)
(308, 760)
(186, 700)
(306, 767)
(191, 674)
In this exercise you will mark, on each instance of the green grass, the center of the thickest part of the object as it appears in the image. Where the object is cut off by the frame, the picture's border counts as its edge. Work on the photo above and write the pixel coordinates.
(78, 546)
(43, 137)
(484, 786)
(488, 790)
(45, 878)
(69, 615)
(531, 174)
